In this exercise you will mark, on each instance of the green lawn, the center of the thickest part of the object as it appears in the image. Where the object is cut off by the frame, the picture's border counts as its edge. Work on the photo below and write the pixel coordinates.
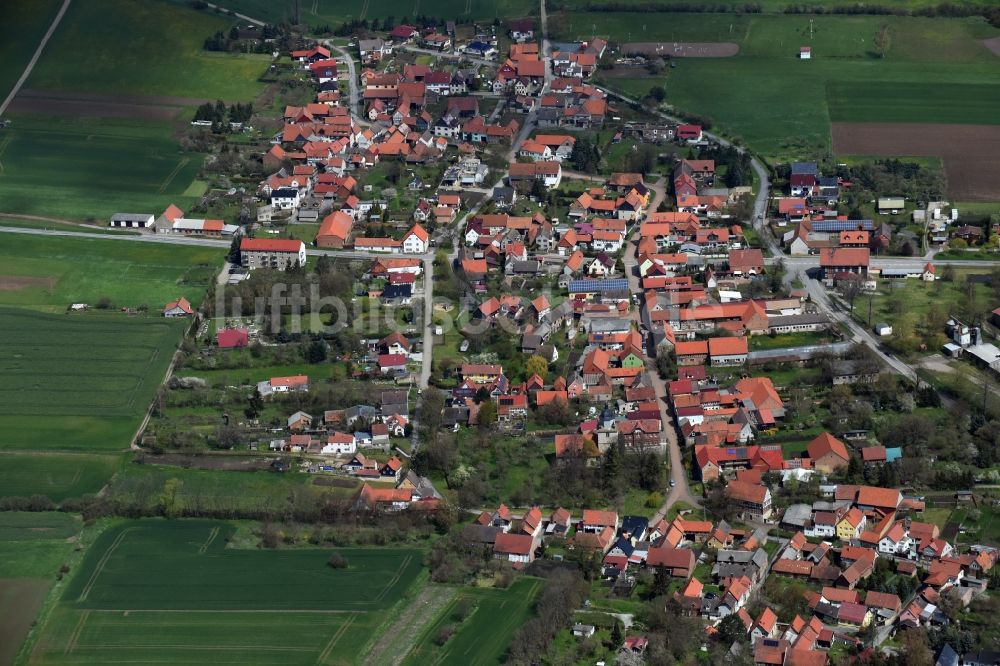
(118, 165)
(246, 376)
(144, 48)
(24, 23)
(789, 340)
(172, 592)
(982, 524)
(57, 476)
(484, 636)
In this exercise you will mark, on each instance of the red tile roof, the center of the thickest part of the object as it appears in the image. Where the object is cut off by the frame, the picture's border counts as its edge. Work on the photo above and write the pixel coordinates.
(270, 245)
(827, 443)
(514, 544)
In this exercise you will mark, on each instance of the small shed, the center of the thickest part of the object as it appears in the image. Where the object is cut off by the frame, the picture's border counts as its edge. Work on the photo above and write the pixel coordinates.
(882, 329)
(583, 630)
(805, 53)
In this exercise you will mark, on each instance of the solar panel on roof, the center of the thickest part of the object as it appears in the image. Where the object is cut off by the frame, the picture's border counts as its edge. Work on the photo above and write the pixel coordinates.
(843, 225)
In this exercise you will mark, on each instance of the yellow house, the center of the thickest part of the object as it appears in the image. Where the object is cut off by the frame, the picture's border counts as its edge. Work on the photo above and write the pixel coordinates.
(851, 525)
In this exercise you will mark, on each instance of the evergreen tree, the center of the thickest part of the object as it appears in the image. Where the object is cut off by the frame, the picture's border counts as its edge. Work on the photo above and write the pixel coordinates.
(616, 636)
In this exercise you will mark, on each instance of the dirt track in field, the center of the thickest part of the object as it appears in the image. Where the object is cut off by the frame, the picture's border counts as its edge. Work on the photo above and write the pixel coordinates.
(94, 105)
(19, 282)
(971, 153)
(993, 45)
(683, 49)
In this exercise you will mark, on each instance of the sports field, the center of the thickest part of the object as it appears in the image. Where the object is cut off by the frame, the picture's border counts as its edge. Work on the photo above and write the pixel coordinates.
(335, 12)
(92, 168)
(152, 47)
(171, 592)
(24, 22)
(484, 636)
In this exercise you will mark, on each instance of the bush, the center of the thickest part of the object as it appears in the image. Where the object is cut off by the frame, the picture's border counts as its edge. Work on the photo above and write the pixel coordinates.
(444, 633)
(337, 561)
(463, 609)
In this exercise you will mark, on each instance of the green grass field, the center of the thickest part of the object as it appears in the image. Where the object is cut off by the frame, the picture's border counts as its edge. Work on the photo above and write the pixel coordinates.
(118, 165)
(484, 636)
(144, 48)
(171, 592)
(57, 397)
(142, 485)
(57, 476)
(34, 545)
(24, 23)
(67, 270)
(335, 12)
(935, 71)
(82, 381)
(774, 6)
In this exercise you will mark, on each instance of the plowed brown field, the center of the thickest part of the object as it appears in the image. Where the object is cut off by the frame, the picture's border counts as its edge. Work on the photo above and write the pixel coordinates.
(971, 153)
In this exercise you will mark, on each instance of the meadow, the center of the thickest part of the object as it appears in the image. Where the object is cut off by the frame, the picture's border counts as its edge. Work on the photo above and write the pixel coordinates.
(171, 592)
(484, 636)
(24, 23)
(91, 168)
(56, 476)
(144, 48)
(218, 490)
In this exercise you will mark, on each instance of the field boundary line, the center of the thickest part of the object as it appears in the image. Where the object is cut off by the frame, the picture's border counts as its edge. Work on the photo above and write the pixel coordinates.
(99, 569)
(34, 58)
(337, 635)
(213, 648)
(77, 630)
(394, 579)
(211, 537)
(173, 174)
(306, 611)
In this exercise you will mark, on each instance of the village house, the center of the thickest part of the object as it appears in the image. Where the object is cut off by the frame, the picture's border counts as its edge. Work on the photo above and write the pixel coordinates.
(273, 254)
